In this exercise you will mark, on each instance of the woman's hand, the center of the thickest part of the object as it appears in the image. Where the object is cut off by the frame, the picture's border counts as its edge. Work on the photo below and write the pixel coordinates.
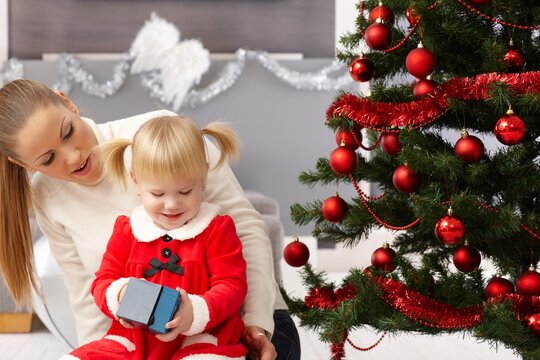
(181, 321)
(258, 345)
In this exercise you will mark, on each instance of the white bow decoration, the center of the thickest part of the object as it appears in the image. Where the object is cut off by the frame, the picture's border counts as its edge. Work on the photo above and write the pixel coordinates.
(157, 47)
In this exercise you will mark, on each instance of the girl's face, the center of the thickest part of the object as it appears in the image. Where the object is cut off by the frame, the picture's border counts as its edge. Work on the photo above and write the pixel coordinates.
(170, 204)
(58, 143)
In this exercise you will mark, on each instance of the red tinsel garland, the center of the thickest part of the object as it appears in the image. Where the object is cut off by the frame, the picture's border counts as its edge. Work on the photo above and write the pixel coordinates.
(382, 115)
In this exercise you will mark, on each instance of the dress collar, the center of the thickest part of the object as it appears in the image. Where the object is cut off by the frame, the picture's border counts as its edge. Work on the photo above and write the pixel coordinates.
(146, 230)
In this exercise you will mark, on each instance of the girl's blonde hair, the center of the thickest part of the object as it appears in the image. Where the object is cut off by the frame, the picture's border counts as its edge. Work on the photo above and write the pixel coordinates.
(168, 148)
(19, 100)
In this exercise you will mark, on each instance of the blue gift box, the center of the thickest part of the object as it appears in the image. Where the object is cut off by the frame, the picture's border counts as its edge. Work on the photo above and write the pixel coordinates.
(148, 306)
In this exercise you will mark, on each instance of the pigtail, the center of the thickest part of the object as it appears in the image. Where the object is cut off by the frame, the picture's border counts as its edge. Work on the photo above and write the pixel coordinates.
(16, 247)
(227, 140)
(111, 157)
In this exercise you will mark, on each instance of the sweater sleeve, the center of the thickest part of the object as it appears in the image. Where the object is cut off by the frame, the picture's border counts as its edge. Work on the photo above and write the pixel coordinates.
(110, 276)
(88, 319)
(223, 189)
(227, 270)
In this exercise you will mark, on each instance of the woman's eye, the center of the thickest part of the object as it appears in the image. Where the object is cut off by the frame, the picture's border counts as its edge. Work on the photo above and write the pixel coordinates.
(69, 131)
(49, 160)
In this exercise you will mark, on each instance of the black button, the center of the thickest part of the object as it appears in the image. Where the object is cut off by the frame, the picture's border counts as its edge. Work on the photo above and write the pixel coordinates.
(166, 238)
(166, 253)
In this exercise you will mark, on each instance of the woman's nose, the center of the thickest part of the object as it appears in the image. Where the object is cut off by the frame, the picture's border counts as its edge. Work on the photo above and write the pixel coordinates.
(73, 156)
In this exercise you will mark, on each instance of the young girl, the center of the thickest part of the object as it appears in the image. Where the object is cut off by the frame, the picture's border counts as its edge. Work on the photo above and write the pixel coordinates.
(75, 205)
(169, 169)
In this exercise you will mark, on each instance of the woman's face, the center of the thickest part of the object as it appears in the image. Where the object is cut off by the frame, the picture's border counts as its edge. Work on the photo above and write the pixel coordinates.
(58, 143)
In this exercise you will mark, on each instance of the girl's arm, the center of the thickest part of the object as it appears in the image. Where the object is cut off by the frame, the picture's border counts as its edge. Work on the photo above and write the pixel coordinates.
(110, 278)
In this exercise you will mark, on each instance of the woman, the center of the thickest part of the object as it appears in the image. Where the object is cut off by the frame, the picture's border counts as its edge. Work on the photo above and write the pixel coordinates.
(75, 205)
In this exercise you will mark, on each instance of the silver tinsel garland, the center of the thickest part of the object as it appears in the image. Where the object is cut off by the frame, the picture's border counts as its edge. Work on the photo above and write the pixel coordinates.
(71, 72)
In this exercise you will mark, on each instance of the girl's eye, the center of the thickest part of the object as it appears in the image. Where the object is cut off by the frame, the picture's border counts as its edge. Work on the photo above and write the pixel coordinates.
(49, 160)
(156, 194)
(185, 192)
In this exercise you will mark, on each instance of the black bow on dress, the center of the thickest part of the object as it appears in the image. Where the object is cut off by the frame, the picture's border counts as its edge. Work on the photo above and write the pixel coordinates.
(171, 265)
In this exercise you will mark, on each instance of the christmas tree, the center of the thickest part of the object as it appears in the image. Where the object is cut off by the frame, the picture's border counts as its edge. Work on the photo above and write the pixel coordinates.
(465, 218)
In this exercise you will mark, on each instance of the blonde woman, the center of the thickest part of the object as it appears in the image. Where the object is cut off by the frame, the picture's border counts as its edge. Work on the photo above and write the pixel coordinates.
(75, 205)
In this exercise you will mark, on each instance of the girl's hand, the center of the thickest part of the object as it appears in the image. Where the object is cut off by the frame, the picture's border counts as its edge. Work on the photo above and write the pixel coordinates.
(181, 321)
(124, 323)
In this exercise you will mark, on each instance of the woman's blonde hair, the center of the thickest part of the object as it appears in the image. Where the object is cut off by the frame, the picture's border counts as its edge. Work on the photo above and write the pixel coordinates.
(169, 148)
(19, 100)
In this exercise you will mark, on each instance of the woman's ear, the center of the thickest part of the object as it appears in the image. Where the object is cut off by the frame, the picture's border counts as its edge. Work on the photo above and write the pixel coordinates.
(21, 164)
(68, 103)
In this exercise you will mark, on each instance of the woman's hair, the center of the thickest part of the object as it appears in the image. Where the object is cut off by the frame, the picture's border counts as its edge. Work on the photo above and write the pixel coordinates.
(168, 148)
(19, 100)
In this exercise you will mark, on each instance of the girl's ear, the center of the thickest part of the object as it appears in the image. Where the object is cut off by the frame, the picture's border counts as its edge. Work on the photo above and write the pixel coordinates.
(137, 186)
(68, 103)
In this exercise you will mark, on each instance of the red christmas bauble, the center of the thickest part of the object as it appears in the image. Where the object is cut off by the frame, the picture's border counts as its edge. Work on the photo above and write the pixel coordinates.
(412, 17)
(466, 258)
(383, 258)
(450, 230)
(343, 160)
(334, 209)
(528, 283)
(378, 36)
(296, 253)
(424, 87)
(469, 148)
(510, 129)
(390, 143)
(499, 286)
(420, 62)
(514, 58)
(362, 69)
(349, 138)
(406, 179)
(479, 2)
(382, 12)
(533, 323)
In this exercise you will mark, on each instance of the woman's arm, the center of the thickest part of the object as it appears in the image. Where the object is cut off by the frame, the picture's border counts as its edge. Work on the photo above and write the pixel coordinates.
(224, 190)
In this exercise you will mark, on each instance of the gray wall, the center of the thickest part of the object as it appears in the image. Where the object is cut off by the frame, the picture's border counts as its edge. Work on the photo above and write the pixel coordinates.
(54, 26)
(282, 129)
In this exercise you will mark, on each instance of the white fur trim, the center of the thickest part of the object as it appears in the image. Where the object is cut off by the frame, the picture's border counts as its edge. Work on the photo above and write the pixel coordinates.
(111, 294)
(203, 338)
(122, 340)
(145, 230)
(201, 315)
(69, 357)
(212, 357)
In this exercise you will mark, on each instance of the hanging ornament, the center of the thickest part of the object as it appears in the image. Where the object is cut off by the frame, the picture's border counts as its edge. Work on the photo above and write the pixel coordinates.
(514, 57)
(378, 36)
(510, 129)
(334, 209)
(296, 253)
(383, 258)
(383, 12)
(350, 137)
(343, 160)
(528, 283)
(450, 230)
(466, 258)
(390, 143)
(424, 87)
(533, 323)
(469, 148)
(362, 69)
(479, 2)
(499, 286)
(406, 179)
(412, 17)
(420, 62)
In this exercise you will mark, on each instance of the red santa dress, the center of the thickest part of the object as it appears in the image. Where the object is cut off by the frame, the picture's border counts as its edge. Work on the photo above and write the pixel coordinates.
(214, 276)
